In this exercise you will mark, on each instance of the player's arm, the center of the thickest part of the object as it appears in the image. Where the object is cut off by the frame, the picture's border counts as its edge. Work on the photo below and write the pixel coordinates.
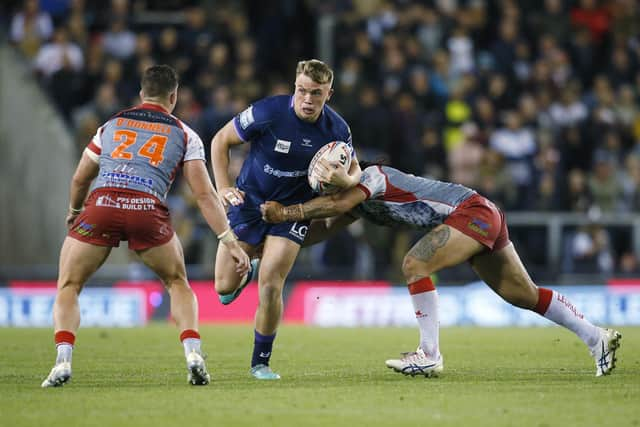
(220, 145)
(85, 173)
(208, 201)
(320, 207)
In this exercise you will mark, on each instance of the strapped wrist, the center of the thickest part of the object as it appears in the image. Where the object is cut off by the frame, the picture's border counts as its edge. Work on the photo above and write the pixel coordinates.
(74, 210)
(294, 212)
(228, 236)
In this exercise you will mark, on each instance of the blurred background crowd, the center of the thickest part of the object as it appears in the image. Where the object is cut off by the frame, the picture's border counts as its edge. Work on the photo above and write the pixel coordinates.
(533, 103)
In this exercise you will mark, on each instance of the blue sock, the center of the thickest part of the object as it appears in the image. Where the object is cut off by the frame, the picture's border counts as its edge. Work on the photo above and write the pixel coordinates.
(262, 346)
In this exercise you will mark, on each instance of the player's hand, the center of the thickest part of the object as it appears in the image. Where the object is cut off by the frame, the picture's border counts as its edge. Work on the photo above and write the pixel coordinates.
(332, 173)
(272, 212)
(239, 256)
(71, 218)
(231, 196)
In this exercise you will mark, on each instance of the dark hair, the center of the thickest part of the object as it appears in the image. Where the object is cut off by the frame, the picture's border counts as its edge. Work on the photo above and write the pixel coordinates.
(158, 81)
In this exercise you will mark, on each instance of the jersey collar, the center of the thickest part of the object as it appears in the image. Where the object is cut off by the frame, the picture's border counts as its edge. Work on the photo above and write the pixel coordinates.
(154, 107)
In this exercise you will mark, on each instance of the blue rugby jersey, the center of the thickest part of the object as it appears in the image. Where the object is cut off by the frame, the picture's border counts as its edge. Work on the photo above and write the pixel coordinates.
(282, 146)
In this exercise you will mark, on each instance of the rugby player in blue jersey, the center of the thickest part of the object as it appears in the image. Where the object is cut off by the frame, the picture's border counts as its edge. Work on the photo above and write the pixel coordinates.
(285, 132)
(460, 225)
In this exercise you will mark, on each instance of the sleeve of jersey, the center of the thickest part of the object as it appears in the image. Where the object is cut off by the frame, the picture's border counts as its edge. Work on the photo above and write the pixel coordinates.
(94, 148)
(349, 141)
(373, 182)
(251, 122)
(195, 147)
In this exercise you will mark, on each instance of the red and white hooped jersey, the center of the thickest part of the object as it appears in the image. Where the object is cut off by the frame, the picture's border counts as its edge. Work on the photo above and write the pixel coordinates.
(398, 199)
(141, 149)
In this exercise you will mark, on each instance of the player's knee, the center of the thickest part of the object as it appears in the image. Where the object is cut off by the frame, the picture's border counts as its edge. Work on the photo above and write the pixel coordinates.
(224, 286)
(412, 267)
(270, 292)
(68, 284)
(175, 280)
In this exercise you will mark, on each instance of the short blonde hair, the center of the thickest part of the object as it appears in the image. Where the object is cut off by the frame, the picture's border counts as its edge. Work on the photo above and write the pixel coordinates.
(315, 69)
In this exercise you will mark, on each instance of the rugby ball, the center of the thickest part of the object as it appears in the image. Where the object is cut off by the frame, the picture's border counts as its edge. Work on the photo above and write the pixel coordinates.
(334, 152)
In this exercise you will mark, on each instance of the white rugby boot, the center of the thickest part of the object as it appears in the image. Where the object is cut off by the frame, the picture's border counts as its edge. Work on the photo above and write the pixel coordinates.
(198, 374)
(417, 363)
(59, 375)
(604, 352)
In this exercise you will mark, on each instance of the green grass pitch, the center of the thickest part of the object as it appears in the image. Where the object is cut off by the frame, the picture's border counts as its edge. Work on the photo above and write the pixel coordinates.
(541, 377)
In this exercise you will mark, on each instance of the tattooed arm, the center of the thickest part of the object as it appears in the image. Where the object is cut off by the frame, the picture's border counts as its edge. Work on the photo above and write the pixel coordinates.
(320, 207)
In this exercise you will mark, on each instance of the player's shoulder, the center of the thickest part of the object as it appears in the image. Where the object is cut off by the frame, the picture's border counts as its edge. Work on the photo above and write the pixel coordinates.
(338, 123)
(273, 104)
(192, 134)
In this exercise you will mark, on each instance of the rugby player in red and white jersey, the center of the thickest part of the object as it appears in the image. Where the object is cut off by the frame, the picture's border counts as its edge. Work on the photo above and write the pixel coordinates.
(130, 165)
(460, 226)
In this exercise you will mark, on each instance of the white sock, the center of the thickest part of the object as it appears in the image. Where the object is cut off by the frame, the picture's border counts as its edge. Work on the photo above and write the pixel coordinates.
(564, 313)
(64, 353)
(425, 306)
(191, 344)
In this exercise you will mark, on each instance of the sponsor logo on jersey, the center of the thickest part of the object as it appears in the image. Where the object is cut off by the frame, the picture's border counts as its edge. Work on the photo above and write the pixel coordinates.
(299, 231)
(479, 227)
(84, 229)
(282, 146)
(106, 201)
(280, 174)
(306, 142)
(127, 203)
(246, 117)
(118, 179)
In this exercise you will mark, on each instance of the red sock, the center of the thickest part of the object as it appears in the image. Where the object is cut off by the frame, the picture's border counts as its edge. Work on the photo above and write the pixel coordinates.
(422, 285)
(64, 337)
(544, 299)
(189, 333)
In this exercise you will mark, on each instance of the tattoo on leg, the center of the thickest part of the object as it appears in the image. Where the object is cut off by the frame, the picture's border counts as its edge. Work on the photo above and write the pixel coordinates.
(429, 244)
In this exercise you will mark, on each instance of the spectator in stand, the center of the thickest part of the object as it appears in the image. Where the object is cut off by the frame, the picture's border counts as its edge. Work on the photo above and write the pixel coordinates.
(102, 106)
(59, 53)
(119, 41)
(495, 181)
(460, 51)
(604, 185)
(548, 174)
(518, 145)
(465, 158)
(568, 110)
(553, 20)
(630, 180)
(583, 55)
(434, 154)
(590, 15)
(578, 197)
(504, 48)
(30, 28)
(590, 251)
(371, 124)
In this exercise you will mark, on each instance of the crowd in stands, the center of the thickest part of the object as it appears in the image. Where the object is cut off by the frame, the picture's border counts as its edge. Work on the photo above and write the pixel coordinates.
(533, 103)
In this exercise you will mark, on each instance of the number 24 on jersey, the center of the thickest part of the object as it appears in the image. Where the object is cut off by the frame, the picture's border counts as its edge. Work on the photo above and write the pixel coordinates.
(153, 149)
